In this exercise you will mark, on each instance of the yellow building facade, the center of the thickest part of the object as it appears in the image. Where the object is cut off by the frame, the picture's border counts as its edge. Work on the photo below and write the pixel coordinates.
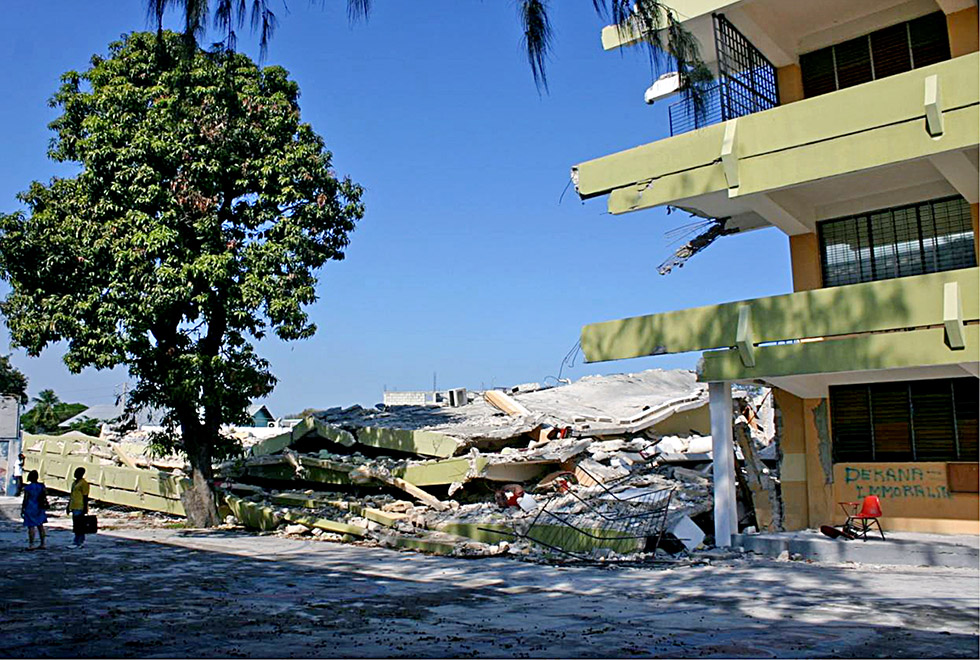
(854, 129)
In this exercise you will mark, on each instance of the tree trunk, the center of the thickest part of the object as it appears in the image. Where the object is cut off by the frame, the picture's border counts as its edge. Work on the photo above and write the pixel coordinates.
(199, 501)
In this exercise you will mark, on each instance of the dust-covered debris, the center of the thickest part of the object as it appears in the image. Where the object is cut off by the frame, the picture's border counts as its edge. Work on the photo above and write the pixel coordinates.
(608, 466)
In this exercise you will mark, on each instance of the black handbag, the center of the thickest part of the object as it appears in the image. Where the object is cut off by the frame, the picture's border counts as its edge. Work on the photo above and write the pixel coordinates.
(85, 524)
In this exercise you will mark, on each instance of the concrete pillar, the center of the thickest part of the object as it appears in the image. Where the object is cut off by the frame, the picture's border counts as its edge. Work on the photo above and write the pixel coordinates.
(804, 251)
(723, 461)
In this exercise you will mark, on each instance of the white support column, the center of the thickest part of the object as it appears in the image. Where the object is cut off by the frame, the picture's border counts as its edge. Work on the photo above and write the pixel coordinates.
(723, 458)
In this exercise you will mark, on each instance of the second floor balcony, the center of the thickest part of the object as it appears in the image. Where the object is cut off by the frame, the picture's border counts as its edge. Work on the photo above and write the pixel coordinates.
(896, 140)
(806, 340)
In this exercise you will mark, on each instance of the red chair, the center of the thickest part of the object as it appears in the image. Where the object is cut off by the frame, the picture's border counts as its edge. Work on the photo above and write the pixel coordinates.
(859, 522)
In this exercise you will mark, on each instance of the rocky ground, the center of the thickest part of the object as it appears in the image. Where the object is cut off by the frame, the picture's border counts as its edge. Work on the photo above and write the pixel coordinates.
(158, 590)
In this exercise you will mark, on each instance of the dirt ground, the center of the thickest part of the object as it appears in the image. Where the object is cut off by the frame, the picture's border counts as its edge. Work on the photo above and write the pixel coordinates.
(153, 591)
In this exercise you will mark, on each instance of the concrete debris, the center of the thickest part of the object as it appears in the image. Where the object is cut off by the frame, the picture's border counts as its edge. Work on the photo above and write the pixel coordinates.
(458, 479)
(504, 403)
(687, 532)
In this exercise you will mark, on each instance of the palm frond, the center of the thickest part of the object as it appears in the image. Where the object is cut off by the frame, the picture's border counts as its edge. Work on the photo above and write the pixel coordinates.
(229, 16)
(263, 21)
(155, 9)
(668, 43)
(195, 19)
(538, 37)
(358, 10)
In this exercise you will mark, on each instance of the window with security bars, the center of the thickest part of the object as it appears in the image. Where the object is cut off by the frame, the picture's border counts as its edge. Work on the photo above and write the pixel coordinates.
(894, 49)
(746, 83)
(920, 420)
(908, 240)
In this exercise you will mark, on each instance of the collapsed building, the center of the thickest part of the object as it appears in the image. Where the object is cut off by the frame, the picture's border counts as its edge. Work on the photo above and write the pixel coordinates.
(608, 466)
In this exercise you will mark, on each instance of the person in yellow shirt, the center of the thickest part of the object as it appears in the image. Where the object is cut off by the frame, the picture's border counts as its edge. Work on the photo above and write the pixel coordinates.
(78, 505)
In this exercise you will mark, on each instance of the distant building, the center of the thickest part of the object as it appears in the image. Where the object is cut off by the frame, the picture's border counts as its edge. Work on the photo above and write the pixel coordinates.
(261, 416)
(454, 398)
(108, 412)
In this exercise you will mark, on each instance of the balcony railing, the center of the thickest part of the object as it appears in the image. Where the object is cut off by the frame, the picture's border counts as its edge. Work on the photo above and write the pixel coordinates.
(746, 83)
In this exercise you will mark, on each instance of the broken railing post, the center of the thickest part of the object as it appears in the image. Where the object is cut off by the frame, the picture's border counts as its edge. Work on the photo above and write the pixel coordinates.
(723, 462)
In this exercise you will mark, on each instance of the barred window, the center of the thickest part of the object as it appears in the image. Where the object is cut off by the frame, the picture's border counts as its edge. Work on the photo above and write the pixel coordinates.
(921, 420)
(908, 240)
(894, 49)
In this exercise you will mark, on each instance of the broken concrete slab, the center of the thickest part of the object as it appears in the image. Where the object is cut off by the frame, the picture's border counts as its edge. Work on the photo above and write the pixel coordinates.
(424, 443)
(253, 515)
(386, 518)
(437, 543)
(621, 403)
(325, 524)
(687, 532)
(505, 403)
(439, 473)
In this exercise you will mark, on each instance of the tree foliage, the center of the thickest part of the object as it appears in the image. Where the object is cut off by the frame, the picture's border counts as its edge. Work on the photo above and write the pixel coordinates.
(662, 33)
(49, 411)
(12, 380)
(202, 211)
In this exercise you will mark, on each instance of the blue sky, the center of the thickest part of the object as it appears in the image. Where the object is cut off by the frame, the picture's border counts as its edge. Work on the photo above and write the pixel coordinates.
(465, 265)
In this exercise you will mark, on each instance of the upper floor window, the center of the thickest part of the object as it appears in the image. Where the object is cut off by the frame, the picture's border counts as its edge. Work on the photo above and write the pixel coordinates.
(908, 240)
(919, 420)
(888, 51)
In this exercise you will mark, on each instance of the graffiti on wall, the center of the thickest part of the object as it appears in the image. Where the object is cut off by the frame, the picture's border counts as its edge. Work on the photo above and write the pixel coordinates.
(892, 482)
(4, 460)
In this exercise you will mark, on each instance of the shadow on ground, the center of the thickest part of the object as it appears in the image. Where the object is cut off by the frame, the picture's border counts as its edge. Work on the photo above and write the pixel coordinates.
(178, 593)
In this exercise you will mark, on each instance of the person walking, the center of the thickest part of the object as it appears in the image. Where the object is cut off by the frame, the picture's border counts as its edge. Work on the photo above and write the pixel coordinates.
(19, 475)
(78, 505)
(33, 509)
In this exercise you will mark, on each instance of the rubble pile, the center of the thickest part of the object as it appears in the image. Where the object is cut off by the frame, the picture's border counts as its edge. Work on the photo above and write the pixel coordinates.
(606, 467)
(484, 477)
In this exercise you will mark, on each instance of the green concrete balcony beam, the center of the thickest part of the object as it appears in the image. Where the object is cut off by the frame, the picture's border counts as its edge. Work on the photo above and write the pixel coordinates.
(801, 142)
(614, 36)
(893, 350)
(908, 302)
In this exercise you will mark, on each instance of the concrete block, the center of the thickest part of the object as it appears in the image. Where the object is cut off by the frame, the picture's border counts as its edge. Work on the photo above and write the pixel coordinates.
(688, 533)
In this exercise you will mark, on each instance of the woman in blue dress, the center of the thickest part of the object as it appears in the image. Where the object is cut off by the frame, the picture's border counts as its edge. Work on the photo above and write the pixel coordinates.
(33, 509)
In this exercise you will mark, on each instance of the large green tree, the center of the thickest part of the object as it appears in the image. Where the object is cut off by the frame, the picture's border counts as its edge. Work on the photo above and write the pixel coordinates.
(202, 209)
(12, 380)
(662, 32)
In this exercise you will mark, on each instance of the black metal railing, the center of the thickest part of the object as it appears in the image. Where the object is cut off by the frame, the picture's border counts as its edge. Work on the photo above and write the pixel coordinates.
(684, 117)
(746, 83)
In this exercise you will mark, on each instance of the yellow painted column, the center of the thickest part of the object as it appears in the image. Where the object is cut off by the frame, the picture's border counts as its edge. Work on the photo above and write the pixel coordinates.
(804, 251)
(963, 34)
(819, 461)
(790, 81)
(792, 465)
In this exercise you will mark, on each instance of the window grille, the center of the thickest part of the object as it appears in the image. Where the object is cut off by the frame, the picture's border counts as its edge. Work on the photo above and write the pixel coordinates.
(746, 83)
(747, 78)
(921, 420)
(909, 240)
(886, 52)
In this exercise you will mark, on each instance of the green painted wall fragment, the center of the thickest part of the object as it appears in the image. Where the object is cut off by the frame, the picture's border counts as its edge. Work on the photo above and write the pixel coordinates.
(251, 514)
(325, 524)
(272, 445)
(426, 443)
(438, 473)
(334, 434)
